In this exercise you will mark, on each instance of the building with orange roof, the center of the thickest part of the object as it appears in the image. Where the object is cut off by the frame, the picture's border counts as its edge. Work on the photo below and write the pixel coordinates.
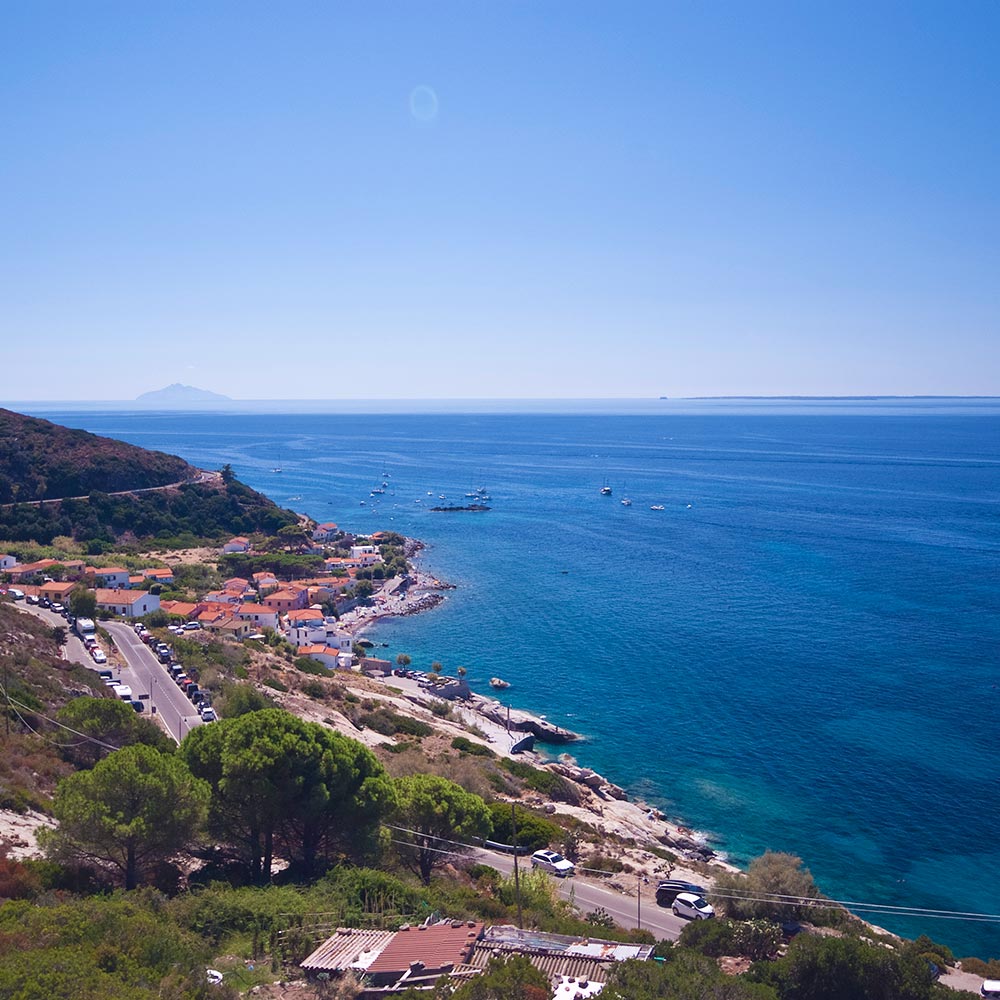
(287, 599)
(325, 532)
(234, 628)
(128, 603)
(57, 593)
(159, 574)
(324, 654)
(112, 577)
(21, 572)
(259, 614)
(180, 609)
(237, 544)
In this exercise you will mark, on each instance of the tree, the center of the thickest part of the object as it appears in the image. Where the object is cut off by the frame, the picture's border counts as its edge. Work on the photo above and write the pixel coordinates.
(135, 808)
(292, 535)
(282, 783)
(685, 974)
(436, 816)
(110, 724)
(461, 671)
(826, 968)
(83, 602)
(437, 666)
(227, 473)
(513, 979)
(59, 635)
(771, 875)
(402, 660)
(533, 832)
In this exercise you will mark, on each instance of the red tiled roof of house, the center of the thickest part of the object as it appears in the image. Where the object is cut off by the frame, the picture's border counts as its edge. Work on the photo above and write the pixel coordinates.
(437, 946)
(107, 570)
(105, 596)
(305, 615)
(317, 648)
(183, 609)
(254, 609)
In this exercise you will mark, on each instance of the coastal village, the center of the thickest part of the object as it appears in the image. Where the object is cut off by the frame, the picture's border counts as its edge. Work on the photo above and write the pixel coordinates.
(298, 611)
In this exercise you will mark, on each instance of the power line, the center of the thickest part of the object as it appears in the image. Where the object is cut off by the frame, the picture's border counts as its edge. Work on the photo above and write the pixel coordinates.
(811, 902)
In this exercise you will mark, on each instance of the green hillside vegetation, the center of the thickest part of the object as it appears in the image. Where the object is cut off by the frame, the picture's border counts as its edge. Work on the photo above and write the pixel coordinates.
(192, 513)
(40, 460)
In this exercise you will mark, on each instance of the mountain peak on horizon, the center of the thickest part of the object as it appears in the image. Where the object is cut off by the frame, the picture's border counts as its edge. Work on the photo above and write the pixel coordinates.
(178, 393)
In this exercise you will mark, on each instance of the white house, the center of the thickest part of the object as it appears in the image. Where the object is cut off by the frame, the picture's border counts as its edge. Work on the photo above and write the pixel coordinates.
(238, 544)
(326, 655)
(261, 616)
(326, 532)
(7, 562)
(128, 603)
(113, 577)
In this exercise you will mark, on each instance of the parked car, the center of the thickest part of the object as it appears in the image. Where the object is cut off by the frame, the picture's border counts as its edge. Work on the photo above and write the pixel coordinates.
(138, 706)
(990, 988)
(191, 626)
(208, 714)
(668, 888)
(31, 598)
(692, 906)
(105, 675)
(58, 608)
(90, 642)
(192, 690)
(98, 654)
(551, 861)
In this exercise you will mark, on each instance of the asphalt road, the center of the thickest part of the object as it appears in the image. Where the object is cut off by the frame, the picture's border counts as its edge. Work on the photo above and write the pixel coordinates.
(588, 894)
(146, 675)
(142, 672)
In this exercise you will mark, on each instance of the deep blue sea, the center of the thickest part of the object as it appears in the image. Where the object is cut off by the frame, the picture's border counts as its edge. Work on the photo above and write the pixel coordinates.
(799, 652)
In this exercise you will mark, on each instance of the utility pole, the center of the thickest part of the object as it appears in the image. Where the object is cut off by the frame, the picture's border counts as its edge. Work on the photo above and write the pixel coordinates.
(517, 877)
(638, 902)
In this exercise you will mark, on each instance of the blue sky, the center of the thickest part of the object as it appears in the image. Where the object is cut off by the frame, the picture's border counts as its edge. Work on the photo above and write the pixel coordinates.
(544, 199)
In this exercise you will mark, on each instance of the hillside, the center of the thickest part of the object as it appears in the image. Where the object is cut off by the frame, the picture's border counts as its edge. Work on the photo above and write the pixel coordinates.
(40, 460)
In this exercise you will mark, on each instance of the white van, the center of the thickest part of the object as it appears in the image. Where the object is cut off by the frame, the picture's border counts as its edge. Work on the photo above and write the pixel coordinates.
(123, 691)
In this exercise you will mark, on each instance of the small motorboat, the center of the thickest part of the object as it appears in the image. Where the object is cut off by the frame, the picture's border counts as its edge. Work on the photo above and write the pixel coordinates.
(657, 506)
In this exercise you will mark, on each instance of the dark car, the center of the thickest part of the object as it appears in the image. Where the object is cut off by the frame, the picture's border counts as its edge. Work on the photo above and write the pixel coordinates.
(138, 706)
(668, 888)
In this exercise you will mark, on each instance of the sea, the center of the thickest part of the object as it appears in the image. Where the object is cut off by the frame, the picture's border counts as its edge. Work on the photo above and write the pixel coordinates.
(788, 641)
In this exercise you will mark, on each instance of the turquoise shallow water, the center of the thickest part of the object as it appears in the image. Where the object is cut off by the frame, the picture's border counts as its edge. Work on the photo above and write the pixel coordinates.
(799, 652)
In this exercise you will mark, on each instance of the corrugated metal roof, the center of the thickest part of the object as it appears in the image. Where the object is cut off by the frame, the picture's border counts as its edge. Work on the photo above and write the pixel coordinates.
(551, 964)
(348, 948)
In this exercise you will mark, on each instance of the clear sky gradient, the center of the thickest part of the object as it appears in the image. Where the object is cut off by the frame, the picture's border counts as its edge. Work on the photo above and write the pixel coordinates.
(461, 199)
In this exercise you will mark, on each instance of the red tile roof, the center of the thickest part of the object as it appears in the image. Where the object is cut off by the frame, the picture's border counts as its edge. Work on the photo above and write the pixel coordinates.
(438, 946)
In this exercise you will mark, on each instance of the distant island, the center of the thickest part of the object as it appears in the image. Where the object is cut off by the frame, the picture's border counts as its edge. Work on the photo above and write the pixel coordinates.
(176, 394)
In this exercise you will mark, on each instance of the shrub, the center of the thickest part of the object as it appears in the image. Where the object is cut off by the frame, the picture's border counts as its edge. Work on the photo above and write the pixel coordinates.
(463, 745)
(389, 723)
(310, 666)
(547, 783)
(275, 685)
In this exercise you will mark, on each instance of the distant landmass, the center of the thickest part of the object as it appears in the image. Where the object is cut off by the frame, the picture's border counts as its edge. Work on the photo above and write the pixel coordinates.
(177, 393)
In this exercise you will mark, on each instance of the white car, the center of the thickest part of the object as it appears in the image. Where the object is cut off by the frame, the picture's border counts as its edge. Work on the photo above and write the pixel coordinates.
(208, 714)
(98, 654)
(550, 861)
(990, 988)
(692, 906)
